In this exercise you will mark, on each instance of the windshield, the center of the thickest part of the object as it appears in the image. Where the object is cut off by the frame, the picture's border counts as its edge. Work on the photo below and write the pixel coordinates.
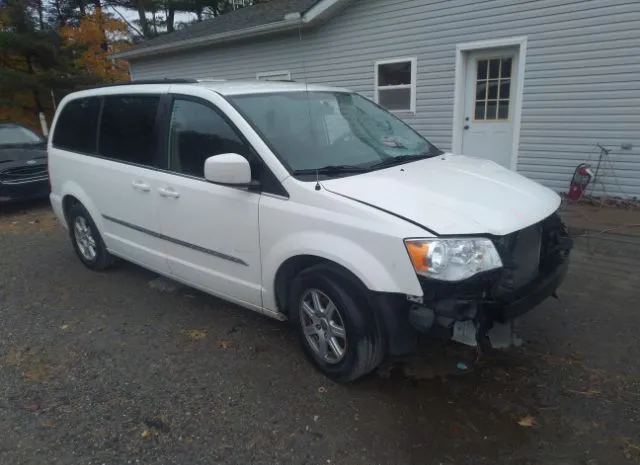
(314, 130)
(12, 134)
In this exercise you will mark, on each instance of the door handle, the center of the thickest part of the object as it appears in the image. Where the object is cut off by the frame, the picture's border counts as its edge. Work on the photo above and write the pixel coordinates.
(141, 186)
(168, 192)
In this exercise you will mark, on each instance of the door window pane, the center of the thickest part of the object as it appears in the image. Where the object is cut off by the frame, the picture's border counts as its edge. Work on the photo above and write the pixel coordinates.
(492, 94)
(503, 109)
(492, 83)
(77, 126)
(482, 69)
(492, 108)
(494, 69)
(127, 128)
(198, 132)
(505, 88)
(505, 70)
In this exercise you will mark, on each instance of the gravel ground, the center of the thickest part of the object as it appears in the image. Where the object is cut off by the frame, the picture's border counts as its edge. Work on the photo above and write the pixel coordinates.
(121, 367)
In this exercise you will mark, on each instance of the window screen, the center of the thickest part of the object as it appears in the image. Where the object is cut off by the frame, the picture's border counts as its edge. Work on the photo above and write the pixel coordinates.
(127, 128)
(77, 126)
(197, 133)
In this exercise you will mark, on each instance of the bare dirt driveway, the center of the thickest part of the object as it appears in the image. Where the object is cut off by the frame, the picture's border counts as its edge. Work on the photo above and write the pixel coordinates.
(113, 368)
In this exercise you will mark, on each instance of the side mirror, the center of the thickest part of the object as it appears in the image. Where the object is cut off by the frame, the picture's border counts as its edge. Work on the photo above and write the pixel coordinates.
(228, 168)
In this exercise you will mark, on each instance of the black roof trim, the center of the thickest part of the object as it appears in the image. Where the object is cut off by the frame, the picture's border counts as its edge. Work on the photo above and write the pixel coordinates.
(149, 81)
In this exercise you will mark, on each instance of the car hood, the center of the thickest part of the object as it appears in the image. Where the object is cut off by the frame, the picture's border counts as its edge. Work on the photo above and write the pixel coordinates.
(21, 154)
(452, 194)
(11, 157)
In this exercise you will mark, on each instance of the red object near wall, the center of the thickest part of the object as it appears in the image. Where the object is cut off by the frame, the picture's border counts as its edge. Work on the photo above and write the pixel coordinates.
(581, 178)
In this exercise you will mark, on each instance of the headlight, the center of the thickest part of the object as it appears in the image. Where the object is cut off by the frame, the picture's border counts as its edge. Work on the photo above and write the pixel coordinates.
(452, 259)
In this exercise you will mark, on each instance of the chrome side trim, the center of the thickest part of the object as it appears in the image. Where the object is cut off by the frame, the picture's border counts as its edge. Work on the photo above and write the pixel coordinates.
(176, 241)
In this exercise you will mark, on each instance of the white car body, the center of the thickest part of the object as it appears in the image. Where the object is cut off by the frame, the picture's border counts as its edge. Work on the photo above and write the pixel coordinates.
(231, 242)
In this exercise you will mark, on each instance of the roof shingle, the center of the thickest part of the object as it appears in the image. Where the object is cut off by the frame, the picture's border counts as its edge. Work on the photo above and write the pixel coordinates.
(243, 18)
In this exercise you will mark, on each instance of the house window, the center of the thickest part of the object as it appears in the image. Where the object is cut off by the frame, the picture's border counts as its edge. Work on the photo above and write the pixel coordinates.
(274, 76)
(395, 84)
(493, 89)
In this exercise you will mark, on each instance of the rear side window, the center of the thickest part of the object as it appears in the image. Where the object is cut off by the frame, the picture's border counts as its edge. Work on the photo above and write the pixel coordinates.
(127, 128)
(77, 126)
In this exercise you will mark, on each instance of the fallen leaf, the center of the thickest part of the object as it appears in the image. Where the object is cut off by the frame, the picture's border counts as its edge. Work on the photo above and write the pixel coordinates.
(64, 327)
(147, 433)
(225, 344)
(195, 334)
(31, 408)
(527, 422)
(47, 423)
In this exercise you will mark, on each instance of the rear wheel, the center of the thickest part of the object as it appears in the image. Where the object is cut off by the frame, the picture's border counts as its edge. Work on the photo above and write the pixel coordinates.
(337, 329)
(86, 239)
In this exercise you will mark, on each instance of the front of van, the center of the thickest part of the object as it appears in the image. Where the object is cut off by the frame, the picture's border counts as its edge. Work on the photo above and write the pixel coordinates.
(492, 245)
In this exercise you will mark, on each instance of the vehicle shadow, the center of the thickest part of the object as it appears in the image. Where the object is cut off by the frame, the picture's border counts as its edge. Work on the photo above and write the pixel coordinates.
(23, 207)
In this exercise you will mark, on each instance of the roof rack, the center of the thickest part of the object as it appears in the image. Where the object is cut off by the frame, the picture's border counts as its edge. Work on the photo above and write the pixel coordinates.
(150, 81)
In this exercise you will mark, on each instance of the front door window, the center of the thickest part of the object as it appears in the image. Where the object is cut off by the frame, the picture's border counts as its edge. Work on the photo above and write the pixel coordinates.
(198, 132)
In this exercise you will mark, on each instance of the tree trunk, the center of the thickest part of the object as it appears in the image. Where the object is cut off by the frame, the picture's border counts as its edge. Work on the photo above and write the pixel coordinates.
(36, 95)
(155, 23)
(61, 20)
(40, 9)
(142, 16)
(103, 41)
(171, 17)
(83, 10)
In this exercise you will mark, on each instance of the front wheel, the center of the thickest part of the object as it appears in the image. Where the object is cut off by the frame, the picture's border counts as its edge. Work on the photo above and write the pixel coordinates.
(337, 329)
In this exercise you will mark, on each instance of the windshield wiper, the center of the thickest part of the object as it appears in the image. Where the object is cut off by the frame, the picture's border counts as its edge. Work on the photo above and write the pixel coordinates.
(392, 161)
(333, 169)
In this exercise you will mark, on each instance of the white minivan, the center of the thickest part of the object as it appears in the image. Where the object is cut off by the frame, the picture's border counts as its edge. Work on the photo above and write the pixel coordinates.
(305, 203)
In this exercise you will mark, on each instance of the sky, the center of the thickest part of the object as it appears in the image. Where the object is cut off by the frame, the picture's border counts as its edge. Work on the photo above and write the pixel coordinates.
(132, 15)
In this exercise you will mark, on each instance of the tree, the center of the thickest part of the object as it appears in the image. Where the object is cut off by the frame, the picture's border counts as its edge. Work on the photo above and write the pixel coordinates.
(51, 47)
(91, 49)
(29, 59)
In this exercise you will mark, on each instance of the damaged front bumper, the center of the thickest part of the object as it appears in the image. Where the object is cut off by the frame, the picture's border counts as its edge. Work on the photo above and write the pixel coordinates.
(536, 261)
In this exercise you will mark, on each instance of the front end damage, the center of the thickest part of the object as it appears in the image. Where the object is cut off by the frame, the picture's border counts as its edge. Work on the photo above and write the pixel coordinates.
(478, 310)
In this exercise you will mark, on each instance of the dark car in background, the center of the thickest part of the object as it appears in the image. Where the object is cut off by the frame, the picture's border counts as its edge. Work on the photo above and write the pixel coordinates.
(23, 164)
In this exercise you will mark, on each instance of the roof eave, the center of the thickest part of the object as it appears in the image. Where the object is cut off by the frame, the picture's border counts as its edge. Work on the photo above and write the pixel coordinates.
(319, 12)
(280, 26)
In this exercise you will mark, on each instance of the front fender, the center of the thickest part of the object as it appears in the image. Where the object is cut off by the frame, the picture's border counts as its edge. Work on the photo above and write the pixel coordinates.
(387, 271)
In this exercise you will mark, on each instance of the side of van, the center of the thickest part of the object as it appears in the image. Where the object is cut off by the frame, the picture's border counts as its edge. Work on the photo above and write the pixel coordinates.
(305, 203)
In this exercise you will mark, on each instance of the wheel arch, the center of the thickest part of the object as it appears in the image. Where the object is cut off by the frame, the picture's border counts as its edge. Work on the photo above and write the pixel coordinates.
(292, 254)
(73, 193)
(294, 265)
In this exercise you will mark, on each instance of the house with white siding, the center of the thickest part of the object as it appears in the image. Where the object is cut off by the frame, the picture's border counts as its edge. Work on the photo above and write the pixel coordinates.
(531, 84)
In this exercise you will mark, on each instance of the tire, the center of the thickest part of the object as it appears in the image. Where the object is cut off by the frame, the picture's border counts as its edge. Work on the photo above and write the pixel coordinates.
(86, 237)
(364, 345)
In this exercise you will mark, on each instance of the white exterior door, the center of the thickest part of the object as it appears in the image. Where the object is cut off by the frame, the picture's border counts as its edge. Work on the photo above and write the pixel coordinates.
(212, 231)
(489, 105)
